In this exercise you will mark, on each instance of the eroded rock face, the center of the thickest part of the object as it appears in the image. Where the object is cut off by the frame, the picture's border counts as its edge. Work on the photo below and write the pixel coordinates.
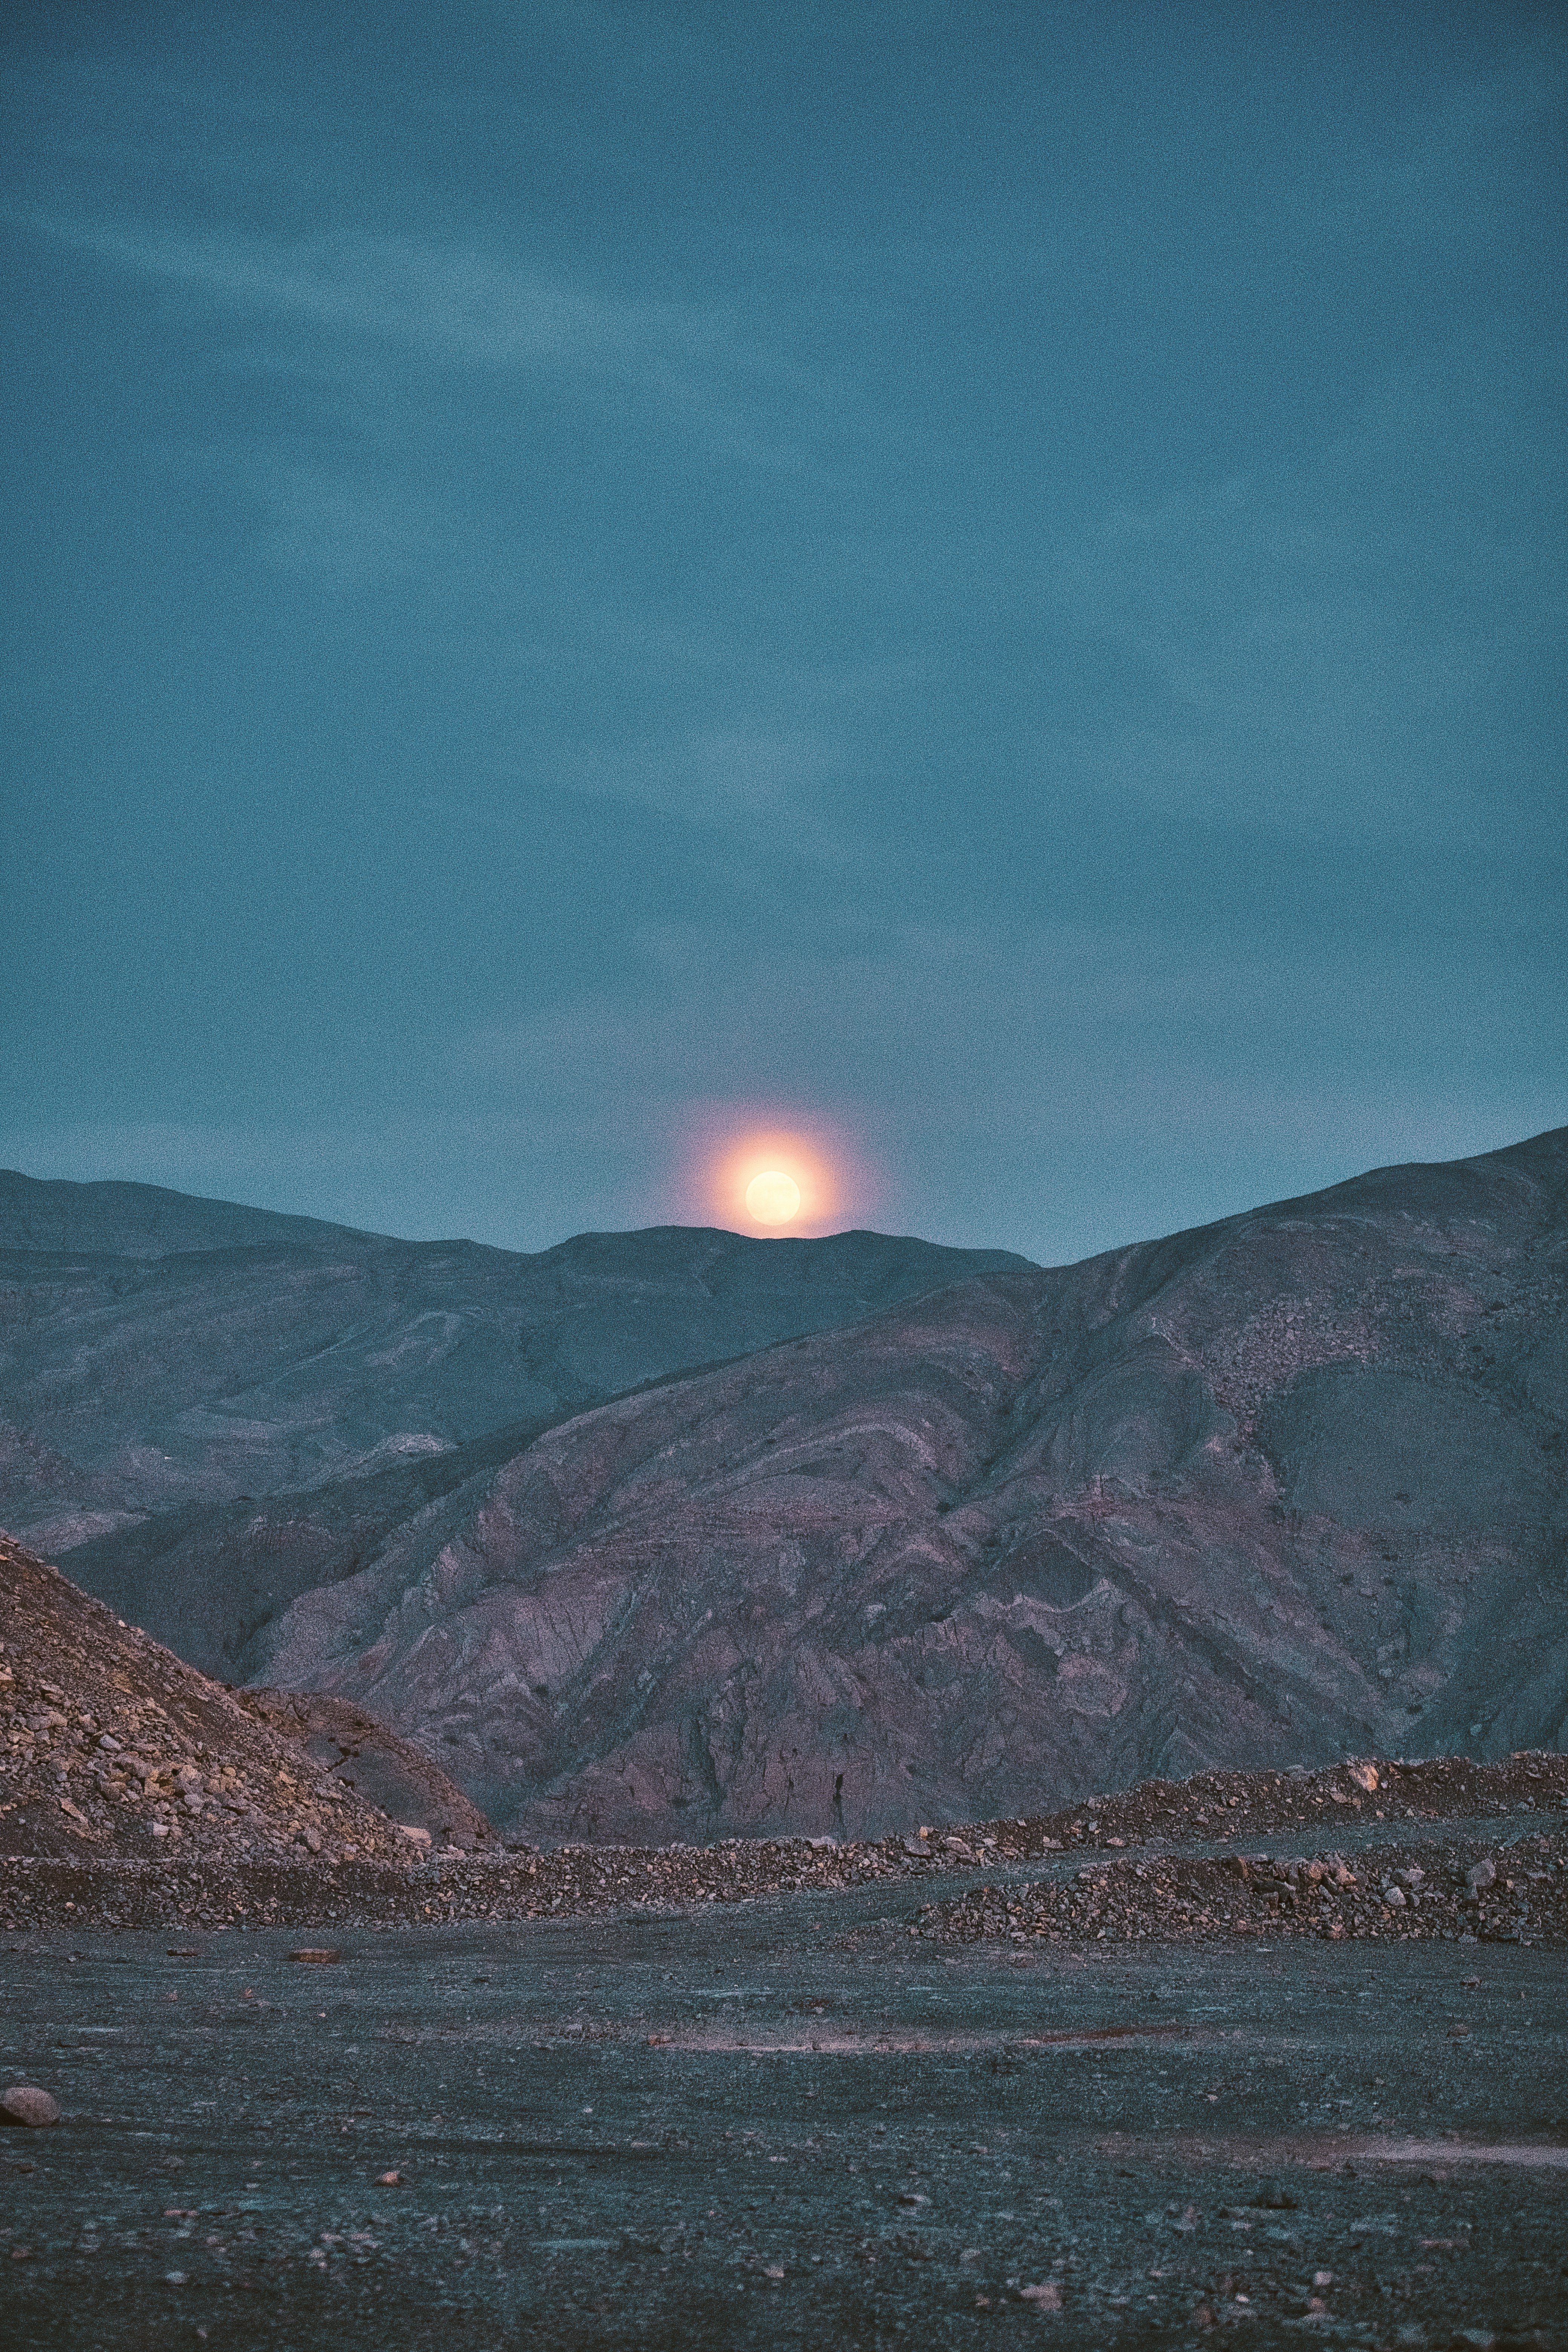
(1286, 1486)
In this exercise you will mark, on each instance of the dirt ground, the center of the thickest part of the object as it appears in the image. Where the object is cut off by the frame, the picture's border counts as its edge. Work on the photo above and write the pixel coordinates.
(800, 2120)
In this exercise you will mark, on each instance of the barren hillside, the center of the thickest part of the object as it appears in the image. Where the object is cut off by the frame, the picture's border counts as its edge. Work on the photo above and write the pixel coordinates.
(167, 1364)
(1283, 1488)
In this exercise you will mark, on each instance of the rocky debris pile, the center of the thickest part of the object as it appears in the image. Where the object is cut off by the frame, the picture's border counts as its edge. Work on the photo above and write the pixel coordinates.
(1445, 1889)
(567, 1883)
(1216, 1807)
(1136, 1893)
(111, 1748)
(359, 1753)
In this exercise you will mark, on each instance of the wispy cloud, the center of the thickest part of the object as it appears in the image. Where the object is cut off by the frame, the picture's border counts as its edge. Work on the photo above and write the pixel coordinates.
(348, 530)
(1335, 635)
(374, 325)
(717, 776)
(455, 303)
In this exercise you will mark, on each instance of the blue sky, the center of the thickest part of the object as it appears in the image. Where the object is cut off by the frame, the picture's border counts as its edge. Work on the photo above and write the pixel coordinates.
(983, 583)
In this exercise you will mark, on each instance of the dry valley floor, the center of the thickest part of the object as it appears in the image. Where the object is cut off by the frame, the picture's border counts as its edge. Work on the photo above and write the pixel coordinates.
(785, 2122)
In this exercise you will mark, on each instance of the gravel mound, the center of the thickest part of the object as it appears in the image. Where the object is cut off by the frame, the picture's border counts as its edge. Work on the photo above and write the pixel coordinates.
(1404, 1885)
(1449, 1888)
(1221, 1806)
(113, 1750)
(1143, 1890)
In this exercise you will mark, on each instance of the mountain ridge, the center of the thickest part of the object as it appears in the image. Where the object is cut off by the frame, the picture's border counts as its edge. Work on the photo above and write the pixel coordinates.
(1286, 1485)
(226, 1352)
(1155, 1499)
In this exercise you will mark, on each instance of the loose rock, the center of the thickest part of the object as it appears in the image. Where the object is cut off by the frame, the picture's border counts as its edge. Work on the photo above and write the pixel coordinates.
(26, 2103)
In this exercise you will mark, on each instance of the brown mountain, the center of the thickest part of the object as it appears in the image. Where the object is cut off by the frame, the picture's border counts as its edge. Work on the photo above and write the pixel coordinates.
(1281, 1488)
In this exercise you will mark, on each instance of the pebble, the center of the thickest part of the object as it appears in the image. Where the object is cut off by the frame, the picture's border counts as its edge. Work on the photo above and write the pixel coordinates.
(24, 2102)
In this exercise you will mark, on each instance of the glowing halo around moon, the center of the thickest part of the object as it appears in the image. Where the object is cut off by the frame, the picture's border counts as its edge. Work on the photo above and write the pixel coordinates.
(773, 1198)
(773, 1181)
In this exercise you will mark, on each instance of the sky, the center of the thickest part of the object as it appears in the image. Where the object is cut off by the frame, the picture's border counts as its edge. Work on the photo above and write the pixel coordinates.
(977, 588)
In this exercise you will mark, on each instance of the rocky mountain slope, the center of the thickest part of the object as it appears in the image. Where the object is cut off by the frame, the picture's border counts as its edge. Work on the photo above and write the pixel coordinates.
(350, 1749)
(1282, 1488)
(113, 1750)
(159, 1354)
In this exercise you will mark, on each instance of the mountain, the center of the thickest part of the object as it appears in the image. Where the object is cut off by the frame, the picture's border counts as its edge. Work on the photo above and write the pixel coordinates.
(160, 1353)
(1285, 1487)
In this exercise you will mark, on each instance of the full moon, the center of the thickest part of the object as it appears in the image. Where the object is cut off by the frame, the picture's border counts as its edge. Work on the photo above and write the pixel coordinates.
(772, 1197)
